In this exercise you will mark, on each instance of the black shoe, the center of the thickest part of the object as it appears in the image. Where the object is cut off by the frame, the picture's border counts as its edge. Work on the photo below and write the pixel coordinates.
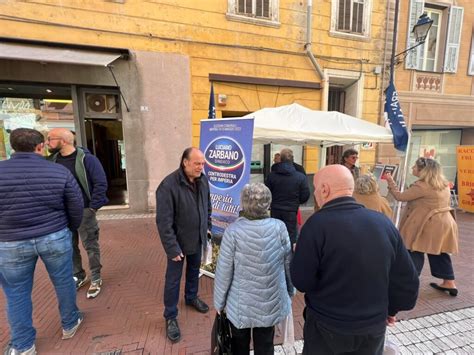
(452, 291)
(80, 281)
(199, 305)
(172, 330)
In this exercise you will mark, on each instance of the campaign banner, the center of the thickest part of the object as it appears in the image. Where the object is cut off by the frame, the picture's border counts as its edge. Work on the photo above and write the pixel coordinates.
(465, 157)
(227, 147)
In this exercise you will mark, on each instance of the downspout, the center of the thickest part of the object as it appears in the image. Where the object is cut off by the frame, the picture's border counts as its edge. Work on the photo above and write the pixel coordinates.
(307, 46)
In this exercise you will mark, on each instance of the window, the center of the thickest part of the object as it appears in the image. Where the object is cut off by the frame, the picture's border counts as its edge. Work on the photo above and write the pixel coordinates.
(440, 52)
(470, 70)
(429, 50)
(263, 12)
(350, 17)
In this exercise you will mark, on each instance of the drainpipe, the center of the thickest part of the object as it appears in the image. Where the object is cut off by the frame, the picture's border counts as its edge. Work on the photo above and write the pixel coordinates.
(307, 46)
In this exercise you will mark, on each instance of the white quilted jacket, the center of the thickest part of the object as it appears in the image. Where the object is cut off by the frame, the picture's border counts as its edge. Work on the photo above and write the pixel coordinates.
(252, 278)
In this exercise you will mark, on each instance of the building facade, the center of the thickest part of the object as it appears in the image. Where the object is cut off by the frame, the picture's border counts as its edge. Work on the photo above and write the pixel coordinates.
(132, 78)
(435, 81)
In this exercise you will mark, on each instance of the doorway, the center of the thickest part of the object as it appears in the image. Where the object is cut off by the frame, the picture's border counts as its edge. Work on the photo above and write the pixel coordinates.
(102, 134)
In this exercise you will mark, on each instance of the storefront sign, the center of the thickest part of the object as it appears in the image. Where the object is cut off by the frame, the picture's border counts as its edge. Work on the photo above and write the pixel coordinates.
(465, 158)
(227, 147)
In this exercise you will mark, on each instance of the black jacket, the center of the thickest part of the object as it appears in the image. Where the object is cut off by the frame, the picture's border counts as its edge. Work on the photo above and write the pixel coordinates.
(182, 216)
(353, 268)
(289, 187)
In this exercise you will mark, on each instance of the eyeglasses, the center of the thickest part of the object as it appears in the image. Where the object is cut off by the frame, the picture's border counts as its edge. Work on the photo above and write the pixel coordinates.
(52, 139)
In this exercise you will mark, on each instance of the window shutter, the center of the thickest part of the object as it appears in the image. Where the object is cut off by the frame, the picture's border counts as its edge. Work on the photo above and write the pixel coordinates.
(416, 10)
(454, 39)
(471, 59)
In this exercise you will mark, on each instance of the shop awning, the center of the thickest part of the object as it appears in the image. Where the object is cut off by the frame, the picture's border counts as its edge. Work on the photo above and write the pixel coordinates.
(56, 54)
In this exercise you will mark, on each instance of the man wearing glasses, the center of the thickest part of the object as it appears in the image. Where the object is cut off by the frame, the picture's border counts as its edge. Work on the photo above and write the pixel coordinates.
(90, 175)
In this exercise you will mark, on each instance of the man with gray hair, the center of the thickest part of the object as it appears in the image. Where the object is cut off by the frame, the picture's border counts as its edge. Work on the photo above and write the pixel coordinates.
(90, 175)
(353, 268)
(289, 189)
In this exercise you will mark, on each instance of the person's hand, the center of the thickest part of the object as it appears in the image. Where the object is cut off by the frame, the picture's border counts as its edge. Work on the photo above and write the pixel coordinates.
(389, 178)
(178, 258)
(391, 320)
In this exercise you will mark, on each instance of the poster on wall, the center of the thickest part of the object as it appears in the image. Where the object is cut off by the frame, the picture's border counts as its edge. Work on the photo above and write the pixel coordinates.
(227, 148)
(465, 159)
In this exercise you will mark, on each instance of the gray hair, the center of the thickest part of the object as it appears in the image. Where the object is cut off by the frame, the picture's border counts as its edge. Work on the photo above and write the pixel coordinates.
(286, 155)
(255, 200)
(366, 185)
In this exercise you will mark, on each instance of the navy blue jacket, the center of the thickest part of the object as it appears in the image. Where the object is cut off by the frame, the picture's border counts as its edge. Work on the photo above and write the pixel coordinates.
(37, 197)
(353, 268)
(289, 187)
(91, 177)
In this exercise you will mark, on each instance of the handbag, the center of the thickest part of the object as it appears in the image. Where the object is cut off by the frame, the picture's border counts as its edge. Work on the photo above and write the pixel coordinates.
(221, 336)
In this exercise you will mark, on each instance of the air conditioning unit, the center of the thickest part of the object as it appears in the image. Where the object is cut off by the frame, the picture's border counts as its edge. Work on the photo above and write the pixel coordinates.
(100, 105)
(97, 103)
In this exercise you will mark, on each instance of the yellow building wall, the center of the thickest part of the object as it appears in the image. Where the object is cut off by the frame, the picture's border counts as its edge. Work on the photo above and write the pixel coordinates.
(215, 44)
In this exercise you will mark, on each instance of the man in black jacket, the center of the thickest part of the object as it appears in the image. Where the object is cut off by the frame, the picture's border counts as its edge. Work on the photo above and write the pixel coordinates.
(289, 189)
(183, 217)
(353, 268)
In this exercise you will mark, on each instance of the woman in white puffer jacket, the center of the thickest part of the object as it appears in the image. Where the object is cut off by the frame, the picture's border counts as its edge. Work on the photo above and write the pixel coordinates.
(252, 280)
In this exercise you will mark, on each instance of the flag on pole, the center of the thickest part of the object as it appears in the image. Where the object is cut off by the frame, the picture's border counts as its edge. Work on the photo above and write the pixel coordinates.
(394, 117)
(212, 105)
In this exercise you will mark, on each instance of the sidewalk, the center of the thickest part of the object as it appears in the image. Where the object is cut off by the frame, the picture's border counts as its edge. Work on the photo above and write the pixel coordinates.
(126, 318)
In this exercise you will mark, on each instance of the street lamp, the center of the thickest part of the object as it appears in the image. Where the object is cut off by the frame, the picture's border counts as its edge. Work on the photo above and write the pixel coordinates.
(420, 30)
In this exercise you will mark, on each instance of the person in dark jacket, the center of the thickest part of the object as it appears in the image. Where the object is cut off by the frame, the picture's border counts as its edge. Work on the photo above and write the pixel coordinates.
(289, 189)
(183, 218)
(40, 203)
(90, 175)
(354, 270)
(349, 159)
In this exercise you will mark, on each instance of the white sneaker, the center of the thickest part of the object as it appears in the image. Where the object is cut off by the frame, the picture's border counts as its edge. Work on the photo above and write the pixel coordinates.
(68, 334)
(94, 289)
(11, 351)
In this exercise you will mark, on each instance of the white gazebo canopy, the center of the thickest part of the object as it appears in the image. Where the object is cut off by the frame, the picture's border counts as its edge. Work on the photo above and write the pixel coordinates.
(295, 124)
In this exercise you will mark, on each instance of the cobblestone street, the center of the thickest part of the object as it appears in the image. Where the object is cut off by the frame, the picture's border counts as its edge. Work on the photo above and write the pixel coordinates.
(127, 316)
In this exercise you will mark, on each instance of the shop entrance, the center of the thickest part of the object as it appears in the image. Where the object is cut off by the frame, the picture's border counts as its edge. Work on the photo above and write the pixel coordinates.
(93, 114)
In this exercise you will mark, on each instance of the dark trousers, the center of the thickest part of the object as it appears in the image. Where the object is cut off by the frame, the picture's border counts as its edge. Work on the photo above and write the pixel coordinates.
(89, 234)
(440, 265)
(289, 218)
(322, 341)
(262, 340)
(174, 270)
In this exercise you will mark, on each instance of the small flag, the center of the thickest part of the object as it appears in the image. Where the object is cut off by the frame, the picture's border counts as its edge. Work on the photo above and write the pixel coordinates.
(212, 104)
(394, 117)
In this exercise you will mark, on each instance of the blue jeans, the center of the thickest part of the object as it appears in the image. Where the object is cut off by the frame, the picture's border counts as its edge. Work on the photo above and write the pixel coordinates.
(17, 267)
(174, 271)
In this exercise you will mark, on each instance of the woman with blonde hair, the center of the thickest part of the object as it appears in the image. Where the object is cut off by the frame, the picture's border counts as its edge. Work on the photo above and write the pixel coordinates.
(366, 192)
(427, 226)
(252, 281)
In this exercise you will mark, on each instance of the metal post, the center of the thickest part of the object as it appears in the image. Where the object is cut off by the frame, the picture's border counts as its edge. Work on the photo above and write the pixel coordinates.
(394, 41)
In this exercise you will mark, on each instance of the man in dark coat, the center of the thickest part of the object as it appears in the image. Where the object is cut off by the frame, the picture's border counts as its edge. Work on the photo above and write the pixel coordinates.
(90, 176)
(289, 189)
(183, 217)
(40, 203)
(354, 270)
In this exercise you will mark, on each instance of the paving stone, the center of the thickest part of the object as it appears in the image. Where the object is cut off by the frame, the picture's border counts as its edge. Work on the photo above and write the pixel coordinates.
(423, 348)
(432, 346)
(441, 344)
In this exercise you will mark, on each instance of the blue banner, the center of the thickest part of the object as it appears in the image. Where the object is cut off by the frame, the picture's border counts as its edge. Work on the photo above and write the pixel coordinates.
(227, 147)
(394, 117)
